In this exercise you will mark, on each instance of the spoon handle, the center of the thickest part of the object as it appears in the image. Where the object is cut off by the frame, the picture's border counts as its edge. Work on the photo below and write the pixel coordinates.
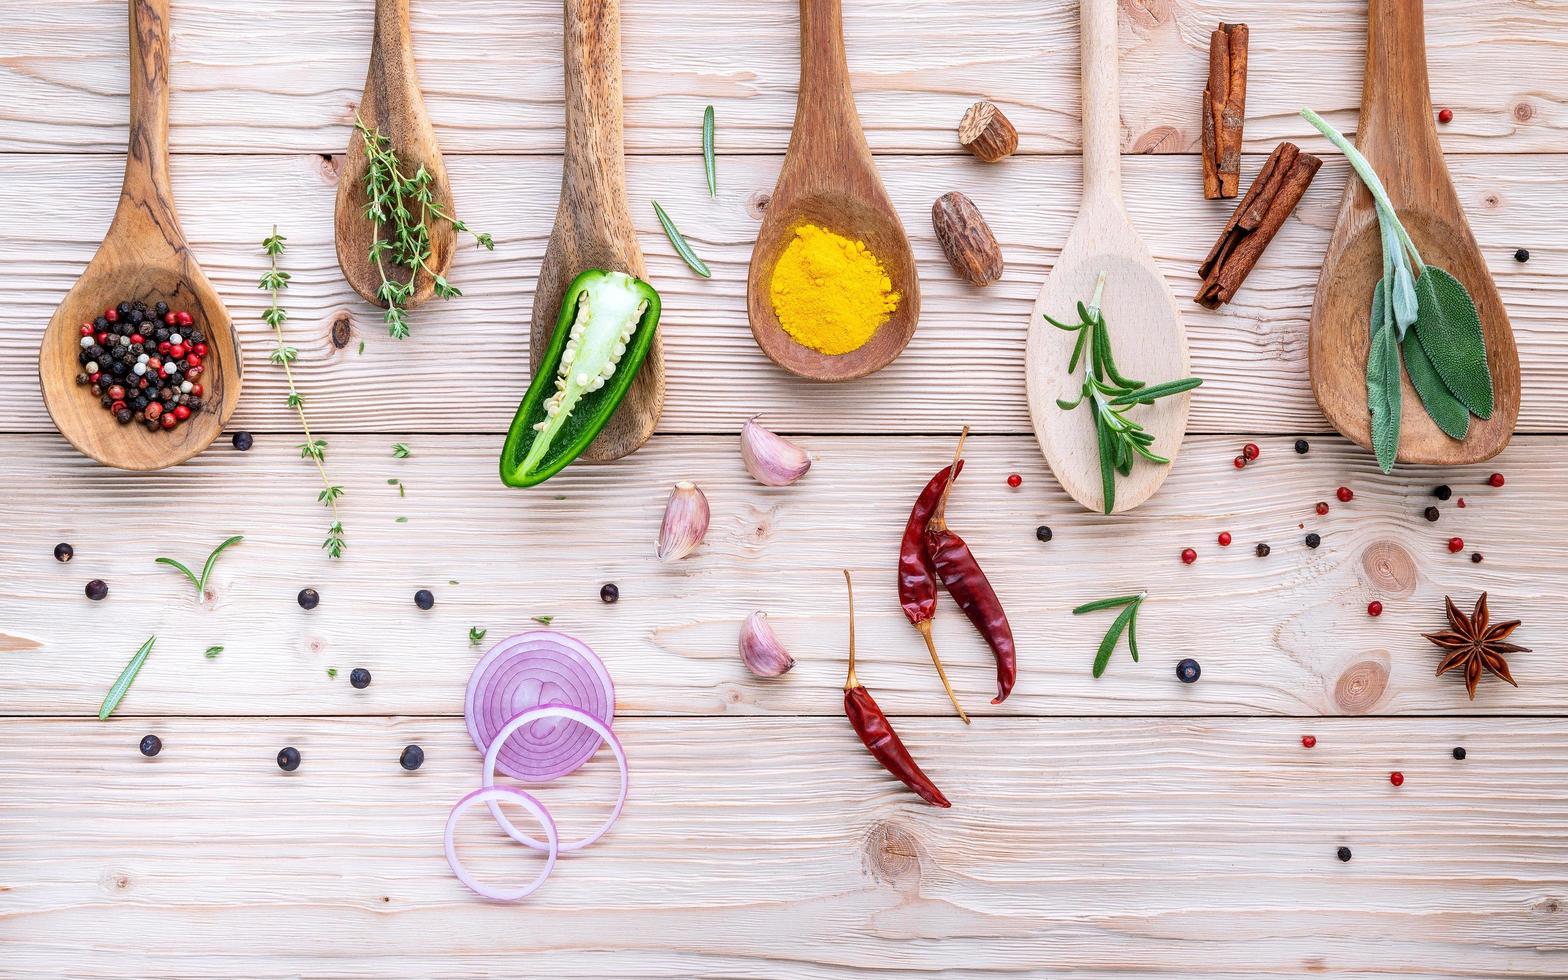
(824, 70)
(1396, 107)
(393, 78)
(1102, 127)
(145, 192)
(595, 166)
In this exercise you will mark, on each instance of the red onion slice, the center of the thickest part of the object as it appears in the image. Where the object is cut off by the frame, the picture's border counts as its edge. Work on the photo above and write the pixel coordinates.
(492, 795)
(529, 717)
(540, 667)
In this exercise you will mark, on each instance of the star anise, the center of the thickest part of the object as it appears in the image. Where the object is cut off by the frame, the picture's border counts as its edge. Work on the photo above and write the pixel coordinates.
(1474, 642)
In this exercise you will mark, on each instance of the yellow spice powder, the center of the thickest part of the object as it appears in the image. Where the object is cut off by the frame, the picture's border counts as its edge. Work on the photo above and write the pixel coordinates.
(830, 293)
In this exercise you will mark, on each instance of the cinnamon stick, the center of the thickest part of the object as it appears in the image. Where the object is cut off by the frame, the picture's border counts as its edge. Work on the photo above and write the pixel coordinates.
(1224, 111)
(1269, 201)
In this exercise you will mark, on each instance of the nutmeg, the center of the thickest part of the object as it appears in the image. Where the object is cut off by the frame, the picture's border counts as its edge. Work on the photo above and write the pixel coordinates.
(986, 133)
(966, 239)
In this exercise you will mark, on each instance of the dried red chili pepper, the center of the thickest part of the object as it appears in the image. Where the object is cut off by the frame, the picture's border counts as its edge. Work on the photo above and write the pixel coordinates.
(866, 717)
(916, 577)
(959, 572)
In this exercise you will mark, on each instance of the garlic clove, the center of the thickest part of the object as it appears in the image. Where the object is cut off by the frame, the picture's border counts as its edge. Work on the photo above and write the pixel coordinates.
(685, 522)
(760, 648)
(771, 459)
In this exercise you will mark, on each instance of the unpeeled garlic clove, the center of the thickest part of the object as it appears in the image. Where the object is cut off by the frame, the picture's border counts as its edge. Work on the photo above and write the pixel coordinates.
(760, 648)
(685, 522)
(771, 459)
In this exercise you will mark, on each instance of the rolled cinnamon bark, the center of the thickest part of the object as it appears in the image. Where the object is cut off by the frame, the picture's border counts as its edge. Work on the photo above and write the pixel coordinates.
(1224, 111)
(1285, 176)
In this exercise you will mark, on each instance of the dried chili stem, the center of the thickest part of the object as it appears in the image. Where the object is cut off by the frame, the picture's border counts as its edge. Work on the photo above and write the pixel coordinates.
(851, 682)
(939, 518)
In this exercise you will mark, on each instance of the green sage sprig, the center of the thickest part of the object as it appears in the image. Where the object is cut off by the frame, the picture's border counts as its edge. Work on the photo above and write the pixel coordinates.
(123, 682)
(1127, 621)
(402, 206)
(1423, 311)
(274, 281)
(1111, 395)
(206, 570)
(682, 247)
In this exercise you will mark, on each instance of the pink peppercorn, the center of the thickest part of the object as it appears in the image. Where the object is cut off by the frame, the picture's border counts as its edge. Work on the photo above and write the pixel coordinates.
(1397, 778)
(1188, 556)
(1445, 115)
(1344, 494)
(1456, 544)
(1496, 479)
(1307, 741)
(1224, 539)
(1013, 480)
(1374, 608)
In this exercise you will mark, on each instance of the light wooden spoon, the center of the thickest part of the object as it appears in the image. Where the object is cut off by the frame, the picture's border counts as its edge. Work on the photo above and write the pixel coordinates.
(393, 104)
(144, 256)
(593, 225)
(1397, 136)
(830, 180)
(1146, 330)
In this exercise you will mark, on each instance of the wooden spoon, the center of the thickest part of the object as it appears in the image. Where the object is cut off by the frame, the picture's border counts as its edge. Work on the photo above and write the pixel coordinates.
(1146, 331)
(593, 225)
(1397, 135)
(143, 257)
(392, 103)
(830, 180)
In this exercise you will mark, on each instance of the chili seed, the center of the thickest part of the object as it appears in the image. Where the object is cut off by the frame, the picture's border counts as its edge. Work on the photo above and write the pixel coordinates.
(1442, 491)
(1496, 479)
(609, 593)
(359, 677)
(1475, 557)
(1344, 494)
(1302, 446)
(97, 589)
(1397, 778)
(1459, 752)
(424, 599)
(1314, 539)
(1445, 115)
(1374, 608)
(243, 441)
(1431, 513)
(1456, 544)
(1188, 671)
(1043, 533)
(151, 745)
(309, 598)
(1343, 853)
(64, 552)
(412, 758)
(1014, 480)
(1188, 556)
(1308, 741)
(1522, 255)
(288, 758)
(1224, 539)
(1262, 550)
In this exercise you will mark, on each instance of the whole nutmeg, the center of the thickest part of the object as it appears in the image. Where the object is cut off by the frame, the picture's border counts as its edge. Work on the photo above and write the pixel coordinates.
(966, 239)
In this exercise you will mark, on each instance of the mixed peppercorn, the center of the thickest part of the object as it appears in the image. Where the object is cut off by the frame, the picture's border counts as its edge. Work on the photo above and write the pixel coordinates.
(144, 364)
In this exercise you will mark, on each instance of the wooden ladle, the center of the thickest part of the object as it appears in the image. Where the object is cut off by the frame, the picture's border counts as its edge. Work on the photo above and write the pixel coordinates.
(1146, 330)
(830, 180)
(393, 105)
(593, 225)
(1397, 136)
(144, 256)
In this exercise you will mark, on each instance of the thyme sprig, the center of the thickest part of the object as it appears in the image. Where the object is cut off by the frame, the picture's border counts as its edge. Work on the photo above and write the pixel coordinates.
(1111, 395)
(402, 206)
(274, 281)
(1126, 621)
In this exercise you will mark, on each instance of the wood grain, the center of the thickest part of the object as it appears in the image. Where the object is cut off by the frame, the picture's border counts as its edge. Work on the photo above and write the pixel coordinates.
(1097, 848)
(1398, 137)
(392, 105)
(143, 256)
(593, 227)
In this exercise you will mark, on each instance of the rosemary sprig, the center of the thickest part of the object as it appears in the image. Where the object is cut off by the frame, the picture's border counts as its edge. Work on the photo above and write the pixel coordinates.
(682, 248)
(1127, 620)
(206, 570)
(123, 682)
(402, 207)
(1111, 395)
(274, 282)
(476, 635)
(708, 163)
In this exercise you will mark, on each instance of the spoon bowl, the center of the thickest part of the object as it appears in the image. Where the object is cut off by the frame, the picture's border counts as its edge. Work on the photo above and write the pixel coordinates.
(144, 256)
(829, 179)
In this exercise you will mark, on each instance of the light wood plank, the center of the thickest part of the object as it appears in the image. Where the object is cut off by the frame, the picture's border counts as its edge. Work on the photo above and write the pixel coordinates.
(288, 75)
(1284, 635)
(464, 369)
(775, 847)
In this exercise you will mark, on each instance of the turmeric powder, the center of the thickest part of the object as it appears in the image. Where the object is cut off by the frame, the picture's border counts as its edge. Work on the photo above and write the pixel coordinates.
(830, 293)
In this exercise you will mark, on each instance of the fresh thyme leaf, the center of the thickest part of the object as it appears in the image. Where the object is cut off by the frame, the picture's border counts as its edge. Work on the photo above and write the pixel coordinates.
(400, 520)
(682, 248)
(212, 653)
(123, 682)
(362, 347)
(400, 451)
(543, 620)
(708, 163)
(476, 635)
(332, 672)
(395, 482)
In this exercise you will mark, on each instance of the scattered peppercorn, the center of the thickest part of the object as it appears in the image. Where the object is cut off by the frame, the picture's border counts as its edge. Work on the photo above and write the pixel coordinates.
(1461, 501)
(1459, 752)
(1456, 544)
(1014, 480)
(1442, 491)
(1374, 608)
(1188, 556)
(288, 758)
(1496, 479)
(64, 552)
(1321, 508)
(1475, 557)
(412, 758)
(1313, 540)
(1043, 533)
(243, 441)
(1239, 462)
(1344, 853)
(1224, 539)
(151, 745)
(1522, 255)
(97, 589)
(1308, 741)
(1262, 550)
(1344, 494)
(1397, 778)
(309, 598)
(1431, 514)
(360, 678)
(424, 599)
(1445, 115)
(1188, 671)
(1302, 446)
(609, 593)
(1250, 451)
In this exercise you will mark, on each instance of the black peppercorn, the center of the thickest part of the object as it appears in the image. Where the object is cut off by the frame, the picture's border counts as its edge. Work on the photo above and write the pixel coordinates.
(424, 599)
(243, 441)
(1313, 540)
(97, 589)
(1431, 513)
(288, 759)
(1522, 255)
(609, 593)
(1442, 491)
(1188, 671)
(1263, 550)
(1043, 533)
(1459, 752)
(64, 552)
(151, 745)
(124, 416)
(412, 758)
(160, 308)
(1475, 556)
(359, 677)
(309, 598)
(124, 308)
(1344, 854)
(1302, 447)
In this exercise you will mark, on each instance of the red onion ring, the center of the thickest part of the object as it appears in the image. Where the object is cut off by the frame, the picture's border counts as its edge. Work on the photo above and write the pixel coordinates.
(491, 795)
(540, 667)
(529, 717)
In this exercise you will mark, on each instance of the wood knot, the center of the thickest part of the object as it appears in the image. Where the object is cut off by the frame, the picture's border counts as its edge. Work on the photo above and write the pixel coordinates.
(757, 203)
(116, 880)
(1361, 685)
(1390, 569)
(329, 167)
(1160, 139)
(892, 853)
(1147, 13)
(316, 646)
(1548, 906)
(1492, 201)
(342, 329)
(1524, 112)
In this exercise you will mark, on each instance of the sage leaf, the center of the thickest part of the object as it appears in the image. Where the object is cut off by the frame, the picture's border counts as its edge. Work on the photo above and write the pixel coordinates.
(1449, 330)
(1383, 389)
(1441, 406)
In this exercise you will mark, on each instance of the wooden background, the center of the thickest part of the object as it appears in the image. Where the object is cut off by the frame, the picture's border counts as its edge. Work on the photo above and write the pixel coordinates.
(1130, 825)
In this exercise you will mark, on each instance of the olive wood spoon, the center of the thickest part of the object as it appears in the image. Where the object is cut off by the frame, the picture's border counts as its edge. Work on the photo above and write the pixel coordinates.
(144, 256)
(593, 225)
(1145, 328)
(830, 180)
(392, 104)
(1397, 136)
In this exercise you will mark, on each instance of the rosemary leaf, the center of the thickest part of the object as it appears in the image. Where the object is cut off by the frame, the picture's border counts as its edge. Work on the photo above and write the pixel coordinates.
(212, 559)
(123, 682)
(708, 163)
(679, 241)
(1108, 645)
(1111, 603)
(196, 582)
